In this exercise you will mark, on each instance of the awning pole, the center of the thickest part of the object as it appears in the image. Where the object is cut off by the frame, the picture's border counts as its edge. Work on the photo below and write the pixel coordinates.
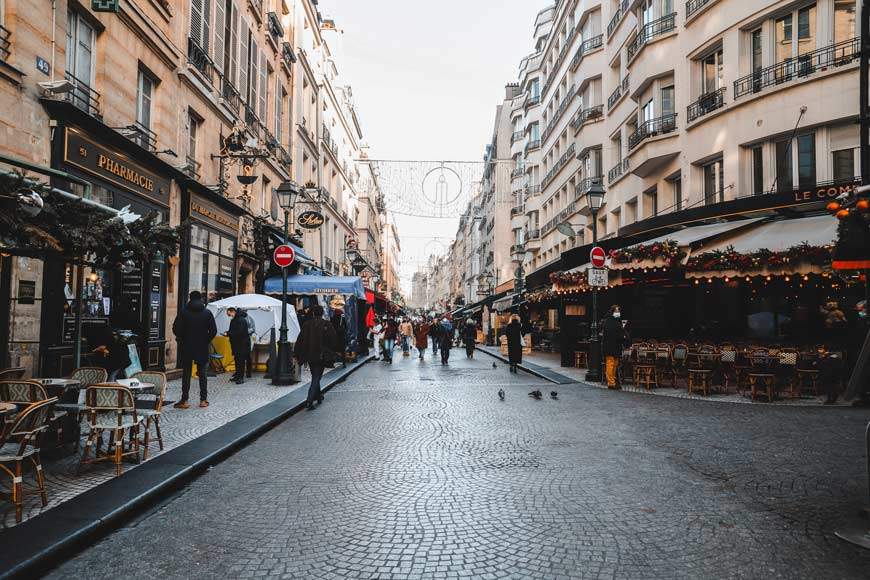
(77, 334)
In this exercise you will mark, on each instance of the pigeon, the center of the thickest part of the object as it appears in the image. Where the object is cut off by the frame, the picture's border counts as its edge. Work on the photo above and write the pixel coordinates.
(536, 394)
(501, 394)
(495, 366)
(554, 395)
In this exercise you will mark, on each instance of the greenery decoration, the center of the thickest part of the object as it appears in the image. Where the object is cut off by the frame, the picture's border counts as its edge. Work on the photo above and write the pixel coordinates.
(729, 259)
(667, 250)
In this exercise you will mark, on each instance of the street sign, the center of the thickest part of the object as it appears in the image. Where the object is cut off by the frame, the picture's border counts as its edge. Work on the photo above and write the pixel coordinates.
(283, 256)
(597, 277)
(597, 256)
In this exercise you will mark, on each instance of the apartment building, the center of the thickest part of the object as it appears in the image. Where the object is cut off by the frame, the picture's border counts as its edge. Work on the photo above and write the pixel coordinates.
(392, 263)
(681, 111)
(209, 103)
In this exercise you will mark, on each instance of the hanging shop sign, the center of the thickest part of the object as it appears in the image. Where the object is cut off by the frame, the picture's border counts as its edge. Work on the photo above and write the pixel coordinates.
(86, 154)
(310, 220)
(212, 215)
(823, 193)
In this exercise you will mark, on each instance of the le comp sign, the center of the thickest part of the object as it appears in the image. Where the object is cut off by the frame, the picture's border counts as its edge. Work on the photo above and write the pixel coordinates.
(823, 193)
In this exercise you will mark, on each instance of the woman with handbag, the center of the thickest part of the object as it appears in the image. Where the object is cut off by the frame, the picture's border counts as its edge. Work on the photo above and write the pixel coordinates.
(316, 347)
(515, 342)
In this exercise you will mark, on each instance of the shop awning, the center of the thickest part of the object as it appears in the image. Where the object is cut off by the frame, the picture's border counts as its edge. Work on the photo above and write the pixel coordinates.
(323, 285)
(787, 246)
(675, 248)
(506, 303)
(301, 256)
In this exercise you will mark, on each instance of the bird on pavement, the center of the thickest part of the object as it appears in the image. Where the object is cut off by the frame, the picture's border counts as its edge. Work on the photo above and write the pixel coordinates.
(554, 395)
(495, 366)
(501, 394)
(536, 394)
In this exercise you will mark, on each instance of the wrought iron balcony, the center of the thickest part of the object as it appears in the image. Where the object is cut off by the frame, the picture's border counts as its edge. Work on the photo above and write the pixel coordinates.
(141, 135)
(617, 171)
(287, 54)
(557, 167)
(660, 126)
(620, 90)
(517, 136)
(821, 59)
(231, 97)
(533, 144)
(620, 12)
(198, 58)
(518, 172)
(191, 167)
(533, 234)
(587, 46)
(5, 43)
(587, 115)
(533, 189)
(83, 97)
(276, 29)
(706, 103)
(560, 110)
(649, 31)
(693, 6)
(585, 184)
(533, 100)
(517, 210)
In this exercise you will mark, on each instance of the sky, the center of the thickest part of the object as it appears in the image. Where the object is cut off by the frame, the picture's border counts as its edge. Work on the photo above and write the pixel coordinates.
(426, 79)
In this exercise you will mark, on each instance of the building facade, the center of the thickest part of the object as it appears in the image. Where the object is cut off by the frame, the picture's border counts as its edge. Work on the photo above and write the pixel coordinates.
(195, 110)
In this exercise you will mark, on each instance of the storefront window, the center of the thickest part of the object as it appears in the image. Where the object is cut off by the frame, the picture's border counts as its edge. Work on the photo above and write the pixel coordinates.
(212, 263)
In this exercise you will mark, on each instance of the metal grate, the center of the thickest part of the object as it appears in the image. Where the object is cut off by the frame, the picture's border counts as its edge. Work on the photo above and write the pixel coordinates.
(660, 126)
(83, 97)
(649, 31)
(706, 103)
(199, 59)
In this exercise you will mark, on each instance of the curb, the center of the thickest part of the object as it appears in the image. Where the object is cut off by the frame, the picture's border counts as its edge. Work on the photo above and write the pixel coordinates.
(535, 370)
(42, 541)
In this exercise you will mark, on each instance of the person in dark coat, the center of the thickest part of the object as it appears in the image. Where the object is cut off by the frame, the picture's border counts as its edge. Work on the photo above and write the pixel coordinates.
(446, 335)
(194, 328)
(339, 324)
(435, 334)
(514, 334)
(316, 347)
(421, 337)
(240, 343)
(391, 331)
(469, 336)
(612, 344)
(110, 352)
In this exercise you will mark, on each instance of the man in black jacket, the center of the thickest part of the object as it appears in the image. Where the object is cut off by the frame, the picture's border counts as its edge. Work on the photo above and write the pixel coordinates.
(316, 346)
(194, 329)
(612, 344)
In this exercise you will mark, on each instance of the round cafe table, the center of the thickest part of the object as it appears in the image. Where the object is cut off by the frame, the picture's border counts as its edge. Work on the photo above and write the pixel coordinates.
(6, 408)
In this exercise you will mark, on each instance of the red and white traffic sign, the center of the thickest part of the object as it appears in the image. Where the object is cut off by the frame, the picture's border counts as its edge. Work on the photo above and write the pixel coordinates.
(597, 256)
(283, 256)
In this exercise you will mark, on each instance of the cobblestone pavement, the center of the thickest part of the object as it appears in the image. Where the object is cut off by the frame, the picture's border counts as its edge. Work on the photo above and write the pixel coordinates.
(418, 471)
(228, 401)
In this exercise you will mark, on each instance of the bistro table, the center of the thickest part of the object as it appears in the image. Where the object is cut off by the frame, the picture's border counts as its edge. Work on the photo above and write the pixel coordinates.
(7, 408)
(58, 387)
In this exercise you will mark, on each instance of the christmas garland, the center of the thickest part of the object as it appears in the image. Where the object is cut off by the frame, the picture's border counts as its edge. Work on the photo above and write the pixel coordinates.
(75, 230)
(569, 278)
(729, 259)
(668, 250)
(540, 295)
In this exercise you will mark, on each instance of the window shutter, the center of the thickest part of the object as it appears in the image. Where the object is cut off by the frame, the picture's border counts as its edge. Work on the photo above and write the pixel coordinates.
(220, 27)
(196, 11)
(263, 91)
(233, 48)
(206, 19)
(244, 31)
(254, 76)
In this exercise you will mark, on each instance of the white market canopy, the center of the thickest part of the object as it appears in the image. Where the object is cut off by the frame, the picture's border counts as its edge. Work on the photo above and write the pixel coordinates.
(264, 310)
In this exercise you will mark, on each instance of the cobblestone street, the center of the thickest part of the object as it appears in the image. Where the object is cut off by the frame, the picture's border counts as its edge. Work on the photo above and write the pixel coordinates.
(418, 471)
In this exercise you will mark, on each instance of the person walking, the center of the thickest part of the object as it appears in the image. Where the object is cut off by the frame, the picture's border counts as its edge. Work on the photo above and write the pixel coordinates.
(240, 344)
(435, 334)
(377, 334)
(390, 333)
(194, 328)
(421, 336)
(612, 344)
(252, 338)
(469, 335)
(339, 324)
(407, 331)
(514, 334)
(316, 347)
(447, 334)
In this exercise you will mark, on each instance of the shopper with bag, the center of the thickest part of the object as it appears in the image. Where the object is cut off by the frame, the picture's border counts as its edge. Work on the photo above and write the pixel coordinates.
(316, 347)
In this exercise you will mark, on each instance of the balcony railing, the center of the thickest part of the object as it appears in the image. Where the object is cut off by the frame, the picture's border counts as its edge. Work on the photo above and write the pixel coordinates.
(534, 234)
(518, 172)
(621, 11)
(231, 97)
(587, 46)
(533, 100)
(533, 189)
(83, 97)
(661, 126)
(557, 167)
(5, 43)
(586, 184)
(706, 103)
(199, 59)
(287, 54)
(191, 167)
(557, 114)
(649, 31)
(834, 55)
(620, 90)
(554, 71)
(141, 135)
(693, 6)
(517, 136)
(533, 144)
(587, 115)
(517, 210)
(275, 27)
(617, 171)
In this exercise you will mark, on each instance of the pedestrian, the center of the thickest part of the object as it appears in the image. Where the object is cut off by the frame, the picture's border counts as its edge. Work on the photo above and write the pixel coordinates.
(612, 345)
(421, 336)
(447, 334)
(407, 331)
(390, 333)
(194, 328)
(240, 344)
(252, 338)
(339, 324)
(110, 352)
(316, 346)
(469, 335)
(435, 334)
(377, 334)
(514, 334)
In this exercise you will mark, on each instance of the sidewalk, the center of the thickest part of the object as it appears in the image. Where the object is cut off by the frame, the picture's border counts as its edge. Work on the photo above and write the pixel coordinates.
(550, 364)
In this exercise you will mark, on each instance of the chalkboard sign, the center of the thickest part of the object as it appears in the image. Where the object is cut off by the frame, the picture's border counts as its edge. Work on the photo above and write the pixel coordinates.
(26, 292)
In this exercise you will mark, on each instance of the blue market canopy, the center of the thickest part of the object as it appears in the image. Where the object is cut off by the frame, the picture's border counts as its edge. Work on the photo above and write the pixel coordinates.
(324, 285)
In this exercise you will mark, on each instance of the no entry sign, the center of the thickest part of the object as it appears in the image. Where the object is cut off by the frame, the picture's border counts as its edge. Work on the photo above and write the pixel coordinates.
(597, 256)
(283, 256)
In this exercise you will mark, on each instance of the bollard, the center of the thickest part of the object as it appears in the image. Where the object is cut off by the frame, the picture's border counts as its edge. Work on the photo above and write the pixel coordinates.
(861, 536)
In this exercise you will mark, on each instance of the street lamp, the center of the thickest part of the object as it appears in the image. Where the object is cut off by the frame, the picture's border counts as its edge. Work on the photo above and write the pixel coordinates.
(287, 193)
(595, 199)
(518, 253)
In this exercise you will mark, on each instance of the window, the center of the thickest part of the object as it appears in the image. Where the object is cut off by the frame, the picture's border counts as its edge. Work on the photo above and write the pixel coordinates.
(711, 75)
(647, 111)
(280, 100)
(535, 132)
(757, 169)
(212, 263)
(844, 20)
(677, 185)
(200, 17)
(144, 94)
(535, 89)
(80, 38)
(806, 152)
(714, 182)
(193, 121)
(784, 178)
(652, 202)
(756, 59)
(790, 45)
(844, 164)
(667, 101)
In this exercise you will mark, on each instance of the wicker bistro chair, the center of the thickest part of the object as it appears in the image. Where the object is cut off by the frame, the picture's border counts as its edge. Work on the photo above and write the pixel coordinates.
(22, 394)
(12, 374)
(625, 370)
(111, 408)
(665, 374)
(727, 365)
(761, 373)
(20, 443)
(151, 417)
(786, 373)
(807, 372)
(679, 361)
(86, 376)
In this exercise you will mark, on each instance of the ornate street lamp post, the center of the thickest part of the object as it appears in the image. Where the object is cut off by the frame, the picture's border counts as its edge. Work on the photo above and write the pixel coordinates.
(287, 193)
(595, 198)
